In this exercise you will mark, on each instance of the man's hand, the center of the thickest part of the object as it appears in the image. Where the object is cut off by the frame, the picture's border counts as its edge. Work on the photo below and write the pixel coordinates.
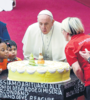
(85, 54)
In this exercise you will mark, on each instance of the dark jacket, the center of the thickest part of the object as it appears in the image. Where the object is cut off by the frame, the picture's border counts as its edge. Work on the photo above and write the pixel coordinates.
(4, 35)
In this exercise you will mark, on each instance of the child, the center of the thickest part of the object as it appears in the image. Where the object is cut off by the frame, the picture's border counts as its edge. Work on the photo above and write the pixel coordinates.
(12, 49)
(3, 56)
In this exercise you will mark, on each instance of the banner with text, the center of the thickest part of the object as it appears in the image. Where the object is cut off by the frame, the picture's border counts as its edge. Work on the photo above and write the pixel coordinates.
(30, 91)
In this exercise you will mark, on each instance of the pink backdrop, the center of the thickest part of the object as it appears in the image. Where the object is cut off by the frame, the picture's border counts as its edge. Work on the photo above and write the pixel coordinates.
(26, 12)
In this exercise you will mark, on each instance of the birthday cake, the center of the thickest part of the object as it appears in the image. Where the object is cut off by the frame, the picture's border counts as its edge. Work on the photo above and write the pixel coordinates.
(39, 71)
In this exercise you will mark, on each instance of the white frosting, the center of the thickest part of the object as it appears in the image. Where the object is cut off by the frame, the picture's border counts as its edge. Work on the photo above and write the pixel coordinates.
(21, 69)
(8, 67)
(41, 65)
(58, 65)
(60, 70)
(13, 69)
(30, 71)
(52, 70)
(40, 57)
(66, 67)
(52, 67)
(41, 70)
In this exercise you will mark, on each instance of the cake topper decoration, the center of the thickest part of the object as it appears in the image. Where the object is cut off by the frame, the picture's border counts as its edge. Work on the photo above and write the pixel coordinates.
(31, 60)
(40, 60)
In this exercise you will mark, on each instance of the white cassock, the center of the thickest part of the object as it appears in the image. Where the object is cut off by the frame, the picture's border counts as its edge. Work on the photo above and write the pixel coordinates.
(52, 44)
(6, 5)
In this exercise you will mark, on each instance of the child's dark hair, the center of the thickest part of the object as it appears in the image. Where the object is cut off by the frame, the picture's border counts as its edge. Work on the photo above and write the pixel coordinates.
(10, 43)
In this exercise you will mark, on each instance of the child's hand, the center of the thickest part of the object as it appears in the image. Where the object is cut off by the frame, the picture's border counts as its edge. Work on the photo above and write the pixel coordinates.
(0, 71)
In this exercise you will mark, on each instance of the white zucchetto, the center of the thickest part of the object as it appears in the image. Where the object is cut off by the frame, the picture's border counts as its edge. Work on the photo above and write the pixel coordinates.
(45, 12)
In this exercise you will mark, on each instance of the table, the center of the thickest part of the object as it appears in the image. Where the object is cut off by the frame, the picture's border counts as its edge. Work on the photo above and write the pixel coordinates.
(40, 91)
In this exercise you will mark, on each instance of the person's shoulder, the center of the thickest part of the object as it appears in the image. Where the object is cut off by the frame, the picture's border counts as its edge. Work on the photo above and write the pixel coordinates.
(57, 23)
(34, 25)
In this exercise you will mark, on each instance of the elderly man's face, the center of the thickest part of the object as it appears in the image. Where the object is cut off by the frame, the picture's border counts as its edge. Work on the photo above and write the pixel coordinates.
(45, 23)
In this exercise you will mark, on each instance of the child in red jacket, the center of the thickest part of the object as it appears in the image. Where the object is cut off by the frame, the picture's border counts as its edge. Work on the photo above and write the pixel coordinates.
(3, 56)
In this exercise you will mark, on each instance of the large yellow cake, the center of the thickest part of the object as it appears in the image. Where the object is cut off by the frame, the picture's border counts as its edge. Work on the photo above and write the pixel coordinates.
(50, 72)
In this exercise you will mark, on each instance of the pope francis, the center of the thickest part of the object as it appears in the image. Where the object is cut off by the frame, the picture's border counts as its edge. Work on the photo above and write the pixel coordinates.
(44, 37)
